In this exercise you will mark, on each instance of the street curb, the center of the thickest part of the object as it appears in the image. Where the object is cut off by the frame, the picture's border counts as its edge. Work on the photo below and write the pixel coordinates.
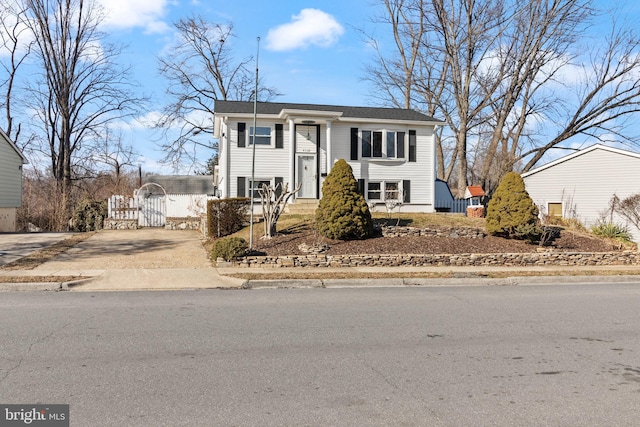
(356, 283)
(417, 282)
(32, 286)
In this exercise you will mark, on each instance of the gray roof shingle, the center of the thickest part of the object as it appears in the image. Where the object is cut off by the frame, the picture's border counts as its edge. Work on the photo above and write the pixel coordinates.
(242, 107)
(183, 184)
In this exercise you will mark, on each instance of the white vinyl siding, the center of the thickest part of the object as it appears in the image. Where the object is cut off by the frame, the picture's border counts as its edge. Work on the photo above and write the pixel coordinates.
(586, 183)
(270, 161)
(421, 173)
(10, 176)
(235, 162)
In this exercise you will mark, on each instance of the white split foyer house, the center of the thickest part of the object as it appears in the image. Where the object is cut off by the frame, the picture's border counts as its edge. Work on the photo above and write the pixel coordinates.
(11, 161)
(391, 151)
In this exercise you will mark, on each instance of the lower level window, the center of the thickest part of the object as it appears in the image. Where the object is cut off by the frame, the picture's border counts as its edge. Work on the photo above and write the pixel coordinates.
(391, 190)
(384, 191)
(258, 186)
(373, 191)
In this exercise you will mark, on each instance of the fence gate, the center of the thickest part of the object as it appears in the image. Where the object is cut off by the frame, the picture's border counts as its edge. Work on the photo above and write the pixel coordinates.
(152, 210)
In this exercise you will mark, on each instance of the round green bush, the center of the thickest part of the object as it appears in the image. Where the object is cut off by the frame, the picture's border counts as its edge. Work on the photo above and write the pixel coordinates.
(343, 212)
(511, 212)
(88, 215)
(228, 248)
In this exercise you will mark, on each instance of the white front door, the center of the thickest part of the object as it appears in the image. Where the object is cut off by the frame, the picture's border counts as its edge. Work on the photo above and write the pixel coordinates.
(307, 176)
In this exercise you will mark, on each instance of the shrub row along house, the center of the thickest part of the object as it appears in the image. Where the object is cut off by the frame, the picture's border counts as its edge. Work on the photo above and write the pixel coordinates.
(391, 151)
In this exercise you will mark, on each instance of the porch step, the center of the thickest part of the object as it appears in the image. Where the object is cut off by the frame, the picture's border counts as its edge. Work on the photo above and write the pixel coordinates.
(302, 206)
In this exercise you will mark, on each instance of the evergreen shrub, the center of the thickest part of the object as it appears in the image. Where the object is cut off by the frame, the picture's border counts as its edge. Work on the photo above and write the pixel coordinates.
(511, 212)
(343, 212)
(88, 215)
(228, 248)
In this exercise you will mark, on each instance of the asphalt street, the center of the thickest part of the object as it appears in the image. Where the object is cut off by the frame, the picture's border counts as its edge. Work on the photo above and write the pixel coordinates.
(450, 355)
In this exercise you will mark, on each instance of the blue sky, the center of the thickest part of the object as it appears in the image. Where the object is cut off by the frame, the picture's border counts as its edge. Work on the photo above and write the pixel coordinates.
(310, 51)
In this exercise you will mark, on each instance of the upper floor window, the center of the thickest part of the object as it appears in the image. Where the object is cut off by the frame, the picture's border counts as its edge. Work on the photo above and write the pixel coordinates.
(383, 144)
(263, 135)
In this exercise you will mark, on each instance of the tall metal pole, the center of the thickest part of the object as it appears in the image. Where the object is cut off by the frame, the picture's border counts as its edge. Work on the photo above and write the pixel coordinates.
(253, 154)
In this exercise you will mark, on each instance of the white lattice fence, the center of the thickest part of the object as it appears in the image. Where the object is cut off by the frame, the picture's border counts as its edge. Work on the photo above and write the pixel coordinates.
(155, 211)
(122, 207)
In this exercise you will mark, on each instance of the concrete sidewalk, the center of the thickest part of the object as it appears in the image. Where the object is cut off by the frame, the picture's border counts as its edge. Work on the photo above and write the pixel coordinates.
(140, 279)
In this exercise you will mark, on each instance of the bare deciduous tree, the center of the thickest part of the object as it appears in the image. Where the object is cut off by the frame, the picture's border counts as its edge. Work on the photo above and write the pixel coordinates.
(200, 68)
(497, 71)
(274, 200)
(15, 47)
(83, 87)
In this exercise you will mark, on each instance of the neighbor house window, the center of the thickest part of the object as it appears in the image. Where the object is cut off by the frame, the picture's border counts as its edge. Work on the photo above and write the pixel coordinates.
(373, 191)
(263, 135)
(554, 209)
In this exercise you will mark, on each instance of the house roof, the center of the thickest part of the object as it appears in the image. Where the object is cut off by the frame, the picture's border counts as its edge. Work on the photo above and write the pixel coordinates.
(12, 145)
(580, 153)
(473, 191)
(277, 108)
(183, 184)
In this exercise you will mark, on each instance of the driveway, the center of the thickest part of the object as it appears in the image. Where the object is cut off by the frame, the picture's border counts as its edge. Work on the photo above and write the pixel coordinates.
(148, 248)
(142, 259)
(14, 246)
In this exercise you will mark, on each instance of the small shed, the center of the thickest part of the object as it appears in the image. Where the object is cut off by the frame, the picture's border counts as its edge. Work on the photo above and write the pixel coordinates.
(474, 194)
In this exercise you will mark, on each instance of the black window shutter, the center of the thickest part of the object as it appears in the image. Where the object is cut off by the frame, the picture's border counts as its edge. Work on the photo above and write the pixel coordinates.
(278, 183)
(400, 153)
(406, 189)
(354, 143)
(412, 146)
(361, 187)
(242, 187)
(242, 127)
(279, 136)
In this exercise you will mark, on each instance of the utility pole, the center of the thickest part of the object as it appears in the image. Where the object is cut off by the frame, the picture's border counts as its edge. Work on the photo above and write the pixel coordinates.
(253, 154)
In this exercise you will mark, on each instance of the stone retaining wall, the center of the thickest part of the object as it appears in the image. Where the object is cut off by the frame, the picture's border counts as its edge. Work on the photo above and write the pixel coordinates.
(120, 224)
(517, 259)
(187, 223)
(473, 233)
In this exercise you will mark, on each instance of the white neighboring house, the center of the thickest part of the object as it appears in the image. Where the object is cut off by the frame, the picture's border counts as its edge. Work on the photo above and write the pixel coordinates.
(11, 161)
(582, 184)
(391, 151)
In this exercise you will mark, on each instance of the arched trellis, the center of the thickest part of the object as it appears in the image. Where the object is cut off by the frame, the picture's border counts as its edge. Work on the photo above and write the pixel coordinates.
(153, 208)
(148, 184)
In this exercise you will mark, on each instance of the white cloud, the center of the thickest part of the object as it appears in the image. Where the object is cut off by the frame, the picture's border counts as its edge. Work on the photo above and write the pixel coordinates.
(310, 27)
(147, 14)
